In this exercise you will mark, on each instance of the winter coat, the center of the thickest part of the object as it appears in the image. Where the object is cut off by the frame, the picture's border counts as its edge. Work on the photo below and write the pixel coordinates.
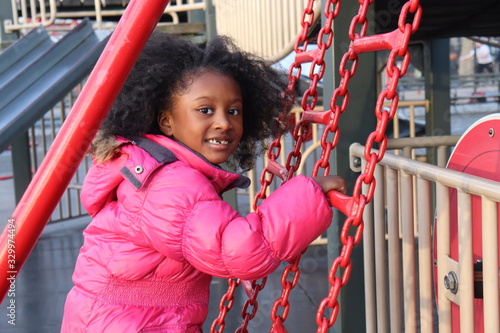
(160, 231)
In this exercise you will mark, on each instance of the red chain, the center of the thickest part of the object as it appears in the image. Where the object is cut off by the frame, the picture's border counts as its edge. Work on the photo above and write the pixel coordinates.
(226, 303)
(252, 304)
(397, 42)
(300, 133)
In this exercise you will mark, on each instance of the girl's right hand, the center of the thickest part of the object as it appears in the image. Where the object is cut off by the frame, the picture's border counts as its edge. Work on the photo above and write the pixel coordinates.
(329, 183)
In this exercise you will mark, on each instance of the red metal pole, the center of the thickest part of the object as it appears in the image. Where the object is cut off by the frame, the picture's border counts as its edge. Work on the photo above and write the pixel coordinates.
(71, 144)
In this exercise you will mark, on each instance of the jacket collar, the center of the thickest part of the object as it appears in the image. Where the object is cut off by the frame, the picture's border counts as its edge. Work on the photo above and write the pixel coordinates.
(164, 151)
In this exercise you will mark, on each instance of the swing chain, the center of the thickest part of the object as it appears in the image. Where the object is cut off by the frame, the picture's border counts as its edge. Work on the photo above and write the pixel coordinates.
(349, 236)
(300, 132)
(289, 280)
(376, 138)
(225, 305)
(252, 303)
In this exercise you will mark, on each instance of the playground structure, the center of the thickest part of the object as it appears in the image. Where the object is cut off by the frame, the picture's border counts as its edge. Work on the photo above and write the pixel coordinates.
(408, 283)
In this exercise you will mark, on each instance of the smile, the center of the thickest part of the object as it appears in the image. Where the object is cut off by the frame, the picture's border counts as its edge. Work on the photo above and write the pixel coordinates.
(218, 142)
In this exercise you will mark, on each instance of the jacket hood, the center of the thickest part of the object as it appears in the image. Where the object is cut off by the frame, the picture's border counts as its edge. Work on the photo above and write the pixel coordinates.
(138, 159)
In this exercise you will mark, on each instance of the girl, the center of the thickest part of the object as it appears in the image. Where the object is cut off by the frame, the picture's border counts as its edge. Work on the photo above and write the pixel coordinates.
(160, 229)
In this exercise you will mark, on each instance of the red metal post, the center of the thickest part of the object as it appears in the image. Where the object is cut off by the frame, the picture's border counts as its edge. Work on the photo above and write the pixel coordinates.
(71, 144)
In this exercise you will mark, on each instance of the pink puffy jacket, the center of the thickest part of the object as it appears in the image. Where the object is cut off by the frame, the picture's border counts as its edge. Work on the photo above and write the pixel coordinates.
(160, 230)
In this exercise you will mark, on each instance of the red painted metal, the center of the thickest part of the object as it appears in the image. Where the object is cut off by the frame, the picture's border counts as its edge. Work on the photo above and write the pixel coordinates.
(77, 132)
(476, 153)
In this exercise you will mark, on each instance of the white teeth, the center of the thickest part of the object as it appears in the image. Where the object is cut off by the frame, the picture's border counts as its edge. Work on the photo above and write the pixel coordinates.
(222, 142)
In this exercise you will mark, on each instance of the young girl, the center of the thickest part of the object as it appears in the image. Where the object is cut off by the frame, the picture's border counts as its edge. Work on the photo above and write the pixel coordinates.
(160, 229)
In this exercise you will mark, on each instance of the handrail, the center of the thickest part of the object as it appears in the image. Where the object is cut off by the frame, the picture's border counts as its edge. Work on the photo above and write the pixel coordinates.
(464, 182)
(31, 21)
(35, 19)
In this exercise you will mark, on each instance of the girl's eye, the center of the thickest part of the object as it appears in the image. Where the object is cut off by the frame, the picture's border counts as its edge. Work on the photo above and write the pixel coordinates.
(205, 110)
(233, 112)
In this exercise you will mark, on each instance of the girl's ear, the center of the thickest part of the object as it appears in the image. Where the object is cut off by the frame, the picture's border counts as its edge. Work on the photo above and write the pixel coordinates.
(165, 122)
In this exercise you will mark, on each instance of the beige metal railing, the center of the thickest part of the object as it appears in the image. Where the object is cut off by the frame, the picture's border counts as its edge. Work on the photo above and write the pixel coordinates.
(398, 245)
(32, 18)
(267, 28)
(44, 12)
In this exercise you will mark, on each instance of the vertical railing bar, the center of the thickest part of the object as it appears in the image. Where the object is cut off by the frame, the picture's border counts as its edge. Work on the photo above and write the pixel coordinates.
(252, 19)
(269, 27)
(286, 29)
(43, 13)
(52, 124)
(294, 19)
(34, 157)
(409, 269)
(465, 262)
(394, 251)
(407, 152)
(443, 251)
(43, 135)
(260, 43)
(24, 11)
(33, 10)
(380, 251)
(69, 209)
(490, 262)
(412, 128)
(281, 26)
(369, 267)
(15, 15)
(441, 156)
(98, 14)
(425, 255)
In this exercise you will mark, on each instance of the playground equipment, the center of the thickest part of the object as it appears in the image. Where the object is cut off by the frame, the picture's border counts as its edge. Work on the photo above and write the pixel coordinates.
(351, 206)
(465, 251)
(111, 71)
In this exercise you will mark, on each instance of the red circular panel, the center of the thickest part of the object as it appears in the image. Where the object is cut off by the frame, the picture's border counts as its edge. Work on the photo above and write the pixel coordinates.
(477, 153)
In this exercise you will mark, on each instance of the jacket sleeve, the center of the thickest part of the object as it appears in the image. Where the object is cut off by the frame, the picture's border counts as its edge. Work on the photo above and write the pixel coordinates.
(214, 238)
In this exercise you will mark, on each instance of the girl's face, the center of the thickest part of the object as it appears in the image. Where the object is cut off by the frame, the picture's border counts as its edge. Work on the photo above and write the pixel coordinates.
(207, 117)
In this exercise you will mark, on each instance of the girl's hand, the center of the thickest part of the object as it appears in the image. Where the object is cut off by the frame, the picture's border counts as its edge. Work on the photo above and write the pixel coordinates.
(329, 183)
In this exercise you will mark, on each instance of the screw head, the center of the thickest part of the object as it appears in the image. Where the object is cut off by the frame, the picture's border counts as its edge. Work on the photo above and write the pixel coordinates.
(451, 282)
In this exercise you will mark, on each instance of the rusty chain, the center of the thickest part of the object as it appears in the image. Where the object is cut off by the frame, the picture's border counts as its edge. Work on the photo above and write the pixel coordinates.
(352, 230)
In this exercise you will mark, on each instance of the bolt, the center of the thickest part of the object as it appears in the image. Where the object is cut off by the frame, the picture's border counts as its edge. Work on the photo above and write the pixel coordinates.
(451, 282)
(356, 162)
(491, 132)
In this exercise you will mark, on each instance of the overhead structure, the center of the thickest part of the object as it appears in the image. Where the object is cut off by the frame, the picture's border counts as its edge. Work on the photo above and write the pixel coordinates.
(267, 28)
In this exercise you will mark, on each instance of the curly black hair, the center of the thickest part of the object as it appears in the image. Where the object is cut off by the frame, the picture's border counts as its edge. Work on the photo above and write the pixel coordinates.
(166, 67)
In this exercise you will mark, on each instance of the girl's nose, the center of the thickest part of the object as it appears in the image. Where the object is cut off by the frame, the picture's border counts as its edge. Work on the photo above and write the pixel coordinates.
(222, 121)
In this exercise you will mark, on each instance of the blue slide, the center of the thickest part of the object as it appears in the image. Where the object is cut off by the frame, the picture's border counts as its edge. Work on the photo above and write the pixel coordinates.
(36, 73)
